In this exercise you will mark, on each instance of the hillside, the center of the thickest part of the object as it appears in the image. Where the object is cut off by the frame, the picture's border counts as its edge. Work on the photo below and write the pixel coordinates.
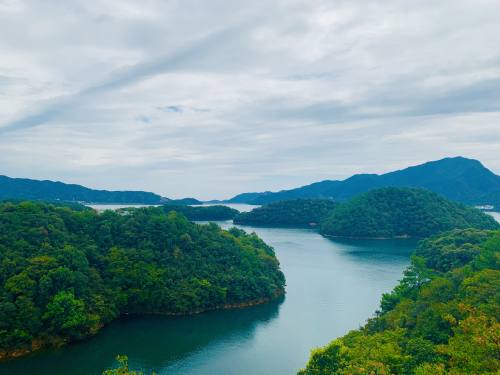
(460, 179)
(402, 212)
(65, 273)
(442, 318)
(291, 213)
(27, 189)
(203, 213)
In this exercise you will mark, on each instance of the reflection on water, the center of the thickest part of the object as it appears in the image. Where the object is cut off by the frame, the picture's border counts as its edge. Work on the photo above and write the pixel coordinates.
(332, 286)
(157, 341)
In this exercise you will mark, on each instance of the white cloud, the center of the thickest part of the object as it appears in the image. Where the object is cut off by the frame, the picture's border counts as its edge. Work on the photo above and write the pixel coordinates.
(212, 99)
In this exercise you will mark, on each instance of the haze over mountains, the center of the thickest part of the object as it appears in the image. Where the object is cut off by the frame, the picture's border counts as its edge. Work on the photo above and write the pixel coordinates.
(458, 178)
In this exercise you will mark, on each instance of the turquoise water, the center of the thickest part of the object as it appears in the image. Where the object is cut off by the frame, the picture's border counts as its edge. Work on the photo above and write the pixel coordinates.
(332, 286)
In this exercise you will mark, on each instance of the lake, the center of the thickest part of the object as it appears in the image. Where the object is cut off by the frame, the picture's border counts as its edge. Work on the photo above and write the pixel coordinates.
(332, 286)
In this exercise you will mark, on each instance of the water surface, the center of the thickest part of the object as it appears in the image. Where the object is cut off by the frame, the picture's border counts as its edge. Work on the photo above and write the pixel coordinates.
(332, 286)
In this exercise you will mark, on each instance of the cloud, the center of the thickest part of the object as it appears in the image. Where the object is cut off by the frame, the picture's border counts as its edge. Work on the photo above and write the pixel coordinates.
(171, 108)
(170, 97)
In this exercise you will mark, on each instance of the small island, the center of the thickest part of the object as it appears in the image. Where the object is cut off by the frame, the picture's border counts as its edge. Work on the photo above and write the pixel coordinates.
(442, 318)
(297, 213)
(203, 213)
(65, 273)
(402, 213)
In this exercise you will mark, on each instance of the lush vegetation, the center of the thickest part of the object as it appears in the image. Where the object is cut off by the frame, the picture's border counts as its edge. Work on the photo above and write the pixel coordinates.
(122, 368)
(184, 201)
(23, 188)
(203, 213)
(66, 273)
(292, 213)
(442, 318)
(459, 179)
(402, 212)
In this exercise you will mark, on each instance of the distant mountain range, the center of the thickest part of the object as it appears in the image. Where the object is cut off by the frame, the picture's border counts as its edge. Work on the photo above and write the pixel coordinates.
(23, 188)
(460, 179)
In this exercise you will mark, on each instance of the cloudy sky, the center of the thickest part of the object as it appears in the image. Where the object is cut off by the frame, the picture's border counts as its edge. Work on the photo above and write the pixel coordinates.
(213, 98)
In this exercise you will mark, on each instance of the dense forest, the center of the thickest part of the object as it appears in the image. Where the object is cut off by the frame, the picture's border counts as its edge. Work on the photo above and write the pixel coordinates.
(65, 273)
(459, 179)
(442, 318)
(291, 213)
(402, 212)
(203, 213)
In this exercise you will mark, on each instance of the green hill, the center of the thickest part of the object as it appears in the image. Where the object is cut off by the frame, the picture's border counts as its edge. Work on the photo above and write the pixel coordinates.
(203, 213)
(66, 273)
(291, 213)
(459, 179)
(442, 318)
(402, 212)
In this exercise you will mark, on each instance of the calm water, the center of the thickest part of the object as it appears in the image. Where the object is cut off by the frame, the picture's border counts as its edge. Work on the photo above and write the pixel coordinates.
(332, 287)
(103, 207)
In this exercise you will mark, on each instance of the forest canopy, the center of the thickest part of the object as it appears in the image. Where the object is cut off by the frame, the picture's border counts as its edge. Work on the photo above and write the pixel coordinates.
(402, 212)
(289, 213)
(65, 273)
(203, 213)
(442, 318)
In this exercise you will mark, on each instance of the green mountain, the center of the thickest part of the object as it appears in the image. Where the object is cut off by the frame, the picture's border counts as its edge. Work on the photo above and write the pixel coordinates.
(402, 212)
(441, 319)
(460, 179)
(27, 189)
(66, 273)
(290, 213)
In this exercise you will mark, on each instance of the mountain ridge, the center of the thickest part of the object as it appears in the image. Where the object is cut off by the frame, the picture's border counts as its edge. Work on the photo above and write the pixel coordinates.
(458, 178)
(26, 188)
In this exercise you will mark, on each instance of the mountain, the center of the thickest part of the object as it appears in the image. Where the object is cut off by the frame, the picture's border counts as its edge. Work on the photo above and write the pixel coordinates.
(23, 188)
(460, 179)
(402, 212)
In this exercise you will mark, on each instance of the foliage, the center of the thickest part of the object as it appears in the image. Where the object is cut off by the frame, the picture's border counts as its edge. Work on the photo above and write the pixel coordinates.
(66, 273)
(442, 318)
(291, 213)
(402, 212)
(122, 368)
(203, 213)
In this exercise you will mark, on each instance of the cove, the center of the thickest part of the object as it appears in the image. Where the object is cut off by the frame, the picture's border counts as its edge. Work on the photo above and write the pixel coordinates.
(332, 286)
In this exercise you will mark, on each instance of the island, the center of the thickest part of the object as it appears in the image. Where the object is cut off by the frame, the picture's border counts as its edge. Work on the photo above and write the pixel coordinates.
(442, 318)
(296, 213)
(401, 213)
(203, 213)
(65, 273)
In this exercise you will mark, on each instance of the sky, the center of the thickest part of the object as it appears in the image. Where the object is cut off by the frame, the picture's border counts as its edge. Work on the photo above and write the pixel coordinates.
(213, 98)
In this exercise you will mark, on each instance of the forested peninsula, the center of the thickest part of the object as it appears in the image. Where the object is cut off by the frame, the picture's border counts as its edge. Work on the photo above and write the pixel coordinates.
(402, 212)
(289, 213)
(65, 273)
(442, 318)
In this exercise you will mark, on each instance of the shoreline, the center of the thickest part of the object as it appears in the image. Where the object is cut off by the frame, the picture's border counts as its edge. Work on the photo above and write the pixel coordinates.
(39, 344)
(372, 238)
